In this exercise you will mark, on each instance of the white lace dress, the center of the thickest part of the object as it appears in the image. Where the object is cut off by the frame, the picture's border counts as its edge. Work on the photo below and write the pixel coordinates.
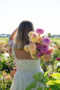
(24, 74)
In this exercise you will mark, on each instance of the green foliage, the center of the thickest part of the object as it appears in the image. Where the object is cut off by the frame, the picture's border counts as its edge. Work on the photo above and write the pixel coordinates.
(32, 85)
(56, 75)
(39, 88)
(6, 63)
(39, 78)
(56, 53)
(53, 81)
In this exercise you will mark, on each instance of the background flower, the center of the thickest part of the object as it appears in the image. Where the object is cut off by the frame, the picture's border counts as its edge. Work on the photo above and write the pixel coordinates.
(47, 57)
(58, 59)
(4, 74)
(8, 77)
(6, 55)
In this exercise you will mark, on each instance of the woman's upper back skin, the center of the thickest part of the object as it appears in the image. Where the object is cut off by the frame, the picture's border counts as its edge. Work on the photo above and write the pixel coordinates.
(21, 54)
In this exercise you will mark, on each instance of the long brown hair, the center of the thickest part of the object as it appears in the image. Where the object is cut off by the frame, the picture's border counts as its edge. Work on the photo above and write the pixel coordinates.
(22, 35)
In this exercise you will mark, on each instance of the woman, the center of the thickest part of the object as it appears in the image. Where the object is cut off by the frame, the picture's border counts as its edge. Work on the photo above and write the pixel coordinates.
(26, 66)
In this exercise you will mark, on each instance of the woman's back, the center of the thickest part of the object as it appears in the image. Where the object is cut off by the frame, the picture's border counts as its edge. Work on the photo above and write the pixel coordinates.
(21, 54)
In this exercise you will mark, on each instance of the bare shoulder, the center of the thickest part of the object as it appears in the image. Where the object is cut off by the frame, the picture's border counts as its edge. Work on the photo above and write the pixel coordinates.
(21, 54)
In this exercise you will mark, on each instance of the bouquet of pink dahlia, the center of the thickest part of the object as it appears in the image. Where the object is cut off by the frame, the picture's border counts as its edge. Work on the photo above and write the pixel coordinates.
(39, 46)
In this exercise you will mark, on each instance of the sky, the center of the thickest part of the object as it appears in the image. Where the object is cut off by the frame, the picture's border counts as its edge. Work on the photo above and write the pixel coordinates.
(43, 14)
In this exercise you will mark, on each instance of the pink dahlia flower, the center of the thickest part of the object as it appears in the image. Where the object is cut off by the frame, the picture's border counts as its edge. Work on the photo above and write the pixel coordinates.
(44, 48)
(39, 31)
(46, 40)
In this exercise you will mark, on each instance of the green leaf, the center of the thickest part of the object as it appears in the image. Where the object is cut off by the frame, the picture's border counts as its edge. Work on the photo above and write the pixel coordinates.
(56, 75)
(51, 78)
(30, 86)
(58, 69)
(38, 76)
(39, 88)
(57, 81)
(54, 87)
(46, 73)
(51, 82)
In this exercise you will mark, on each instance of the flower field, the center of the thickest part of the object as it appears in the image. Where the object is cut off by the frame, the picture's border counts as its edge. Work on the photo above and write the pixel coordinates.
(7, 65)
(51, 78)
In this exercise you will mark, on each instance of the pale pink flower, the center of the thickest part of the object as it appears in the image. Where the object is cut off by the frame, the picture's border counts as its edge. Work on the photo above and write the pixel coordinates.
(33, 39)
(32, 47)
(26, 48)
(32, 33)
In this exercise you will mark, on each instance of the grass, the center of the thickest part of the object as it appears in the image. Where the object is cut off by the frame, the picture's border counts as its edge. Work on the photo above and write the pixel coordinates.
(4, 40)
(55, 39)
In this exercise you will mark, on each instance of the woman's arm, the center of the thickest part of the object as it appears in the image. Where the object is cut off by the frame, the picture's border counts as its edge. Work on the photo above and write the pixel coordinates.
(12, 37)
